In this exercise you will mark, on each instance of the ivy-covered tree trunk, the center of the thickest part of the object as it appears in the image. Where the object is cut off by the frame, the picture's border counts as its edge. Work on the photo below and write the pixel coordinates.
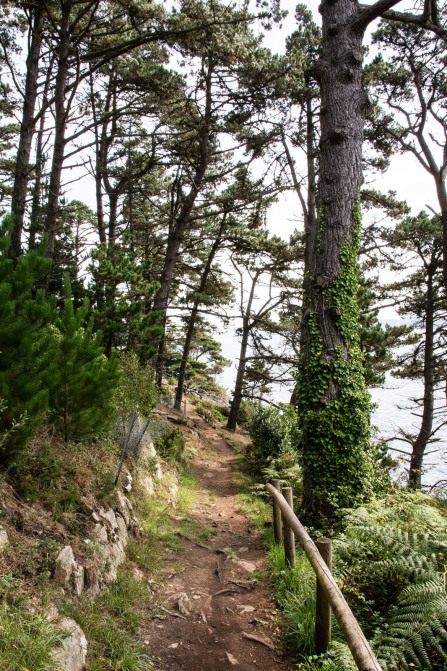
(333, 402)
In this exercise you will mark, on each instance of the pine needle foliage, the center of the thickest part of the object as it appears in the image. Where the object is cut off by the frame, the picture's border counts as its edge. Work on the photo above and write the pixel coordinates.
(391, 564)
(25, 351)
(82, 380)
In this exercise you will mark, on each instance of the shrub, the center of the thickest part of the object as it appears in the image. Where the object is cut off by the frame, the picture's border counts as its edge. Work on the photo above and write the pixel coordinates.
(137, 389)
(272, 431)
(171, 445)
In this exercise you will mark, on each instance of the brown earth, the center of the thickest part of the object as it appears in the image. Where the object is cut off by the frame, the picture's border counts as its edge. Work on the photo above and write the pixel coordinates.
(217, 599)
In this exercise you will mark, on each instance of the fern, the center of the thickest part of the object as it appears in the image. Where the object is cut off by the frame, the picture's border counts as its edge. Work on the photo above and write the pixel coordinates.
(391, 565)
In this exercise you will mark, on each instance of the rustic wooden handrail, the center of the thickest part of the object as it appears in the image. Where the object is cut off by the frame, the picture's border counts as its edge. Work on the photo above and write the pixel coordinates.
(355, 638)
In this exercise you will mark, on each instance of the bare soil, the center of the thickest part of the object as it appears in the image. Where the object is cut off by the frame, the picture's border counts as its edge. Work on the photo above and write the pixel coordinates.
(217, 600)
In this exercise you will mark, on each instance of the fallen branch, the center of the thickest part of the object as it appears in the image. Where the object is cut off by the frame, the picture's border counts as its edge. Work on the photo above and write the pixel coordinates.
(170, 612)
(192, 540)
(224, 591)
(246, 584)
(257, 639)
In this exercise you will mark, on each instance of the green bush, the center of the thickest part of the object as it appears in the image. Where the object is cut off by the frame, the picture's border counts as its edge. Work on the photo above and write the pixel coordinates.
(272, 431)
(137, 389)
(212, 412)
(171, 446)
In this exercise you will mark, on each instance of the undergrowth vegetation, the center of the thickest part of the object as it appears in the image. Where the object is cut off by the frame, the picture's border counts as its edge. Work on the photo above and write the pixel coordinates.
(389, 559)
(26, 638)
(111, 624)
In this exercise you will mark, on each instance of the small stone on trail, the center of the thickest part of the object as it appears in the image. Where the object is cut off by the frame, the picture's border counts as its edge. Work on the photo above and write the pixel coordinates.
(233, 661)
(246, 609)
(173, 646)
(243, 549)
(246, 565)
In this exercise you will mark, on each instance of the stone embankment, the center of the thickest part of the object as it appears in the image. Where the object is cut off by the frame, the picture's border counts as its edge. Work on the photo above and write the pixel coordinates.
(107, 540)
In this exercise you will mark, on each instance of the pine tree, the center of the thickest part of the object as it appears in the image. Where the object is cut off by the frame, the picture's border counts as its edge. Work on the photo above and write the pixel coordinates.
(25, 341)
(82, 380)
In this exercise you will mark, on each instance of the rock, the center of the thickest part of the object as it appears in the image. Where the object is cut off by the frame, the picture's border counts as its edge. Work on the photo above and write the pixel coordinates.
(78, 580)
(99, 533)
(247, 566)
(183, 604)
(173, 492)
(245, 609)
(147, 484)
(4, 540)
(122, 529)
(233, 661)
(152, 452)
(173, 646)
(124, 507)
(127, 486)
(52, 613)
(72, 653)
(65, 566)
(109, 518)
(137, 573)
(92, 580)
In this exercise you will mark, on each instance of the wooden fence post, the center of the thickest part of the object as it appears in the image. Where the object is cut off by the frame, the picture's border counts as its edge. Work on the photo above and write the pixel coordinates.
(323, 610)
(277, 518)
(289, 536)
(350, 628)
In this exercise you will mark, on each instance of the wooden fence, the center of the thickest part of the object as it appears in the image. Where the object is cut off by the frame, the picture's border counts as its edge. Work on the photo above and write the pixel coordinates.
(329, 597)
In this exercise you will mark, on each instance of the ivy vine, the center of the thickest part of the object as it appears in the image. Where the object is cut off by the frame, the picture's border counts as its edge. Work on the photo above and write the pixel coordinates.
(334, 403)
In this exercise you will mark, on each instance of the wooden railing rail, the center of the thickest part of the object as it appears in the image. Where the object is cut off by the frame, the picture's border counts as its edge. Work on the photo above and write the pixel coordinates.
(358, 645)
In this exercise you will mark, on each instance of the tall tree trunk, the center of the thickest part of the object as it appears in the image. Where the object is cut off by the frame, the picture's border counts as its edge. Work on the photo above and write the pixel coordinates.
(22, 169)
(442, 199)
(192, 318)
(332, 399)
(61, 114)
(113, 215)
(309, 206)
(247, 325)
(35, 225)
(419, 447)
(100, 155)
(178, 232)
(238, 385)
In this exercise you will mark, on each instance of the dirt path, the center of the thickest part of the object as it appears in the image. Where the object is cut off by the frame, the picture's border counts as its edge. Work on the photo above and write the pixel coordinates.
(220, 601)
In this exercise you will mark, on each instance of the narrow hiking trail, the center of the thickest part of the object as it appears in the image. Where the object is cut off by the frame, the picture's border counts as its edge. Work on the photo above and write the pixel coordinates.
(214, 602)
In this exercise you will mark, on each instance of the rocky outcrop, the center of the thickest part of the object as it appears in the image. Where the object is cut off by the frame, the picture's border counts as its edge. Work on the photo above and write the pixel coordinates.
(72, 653)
